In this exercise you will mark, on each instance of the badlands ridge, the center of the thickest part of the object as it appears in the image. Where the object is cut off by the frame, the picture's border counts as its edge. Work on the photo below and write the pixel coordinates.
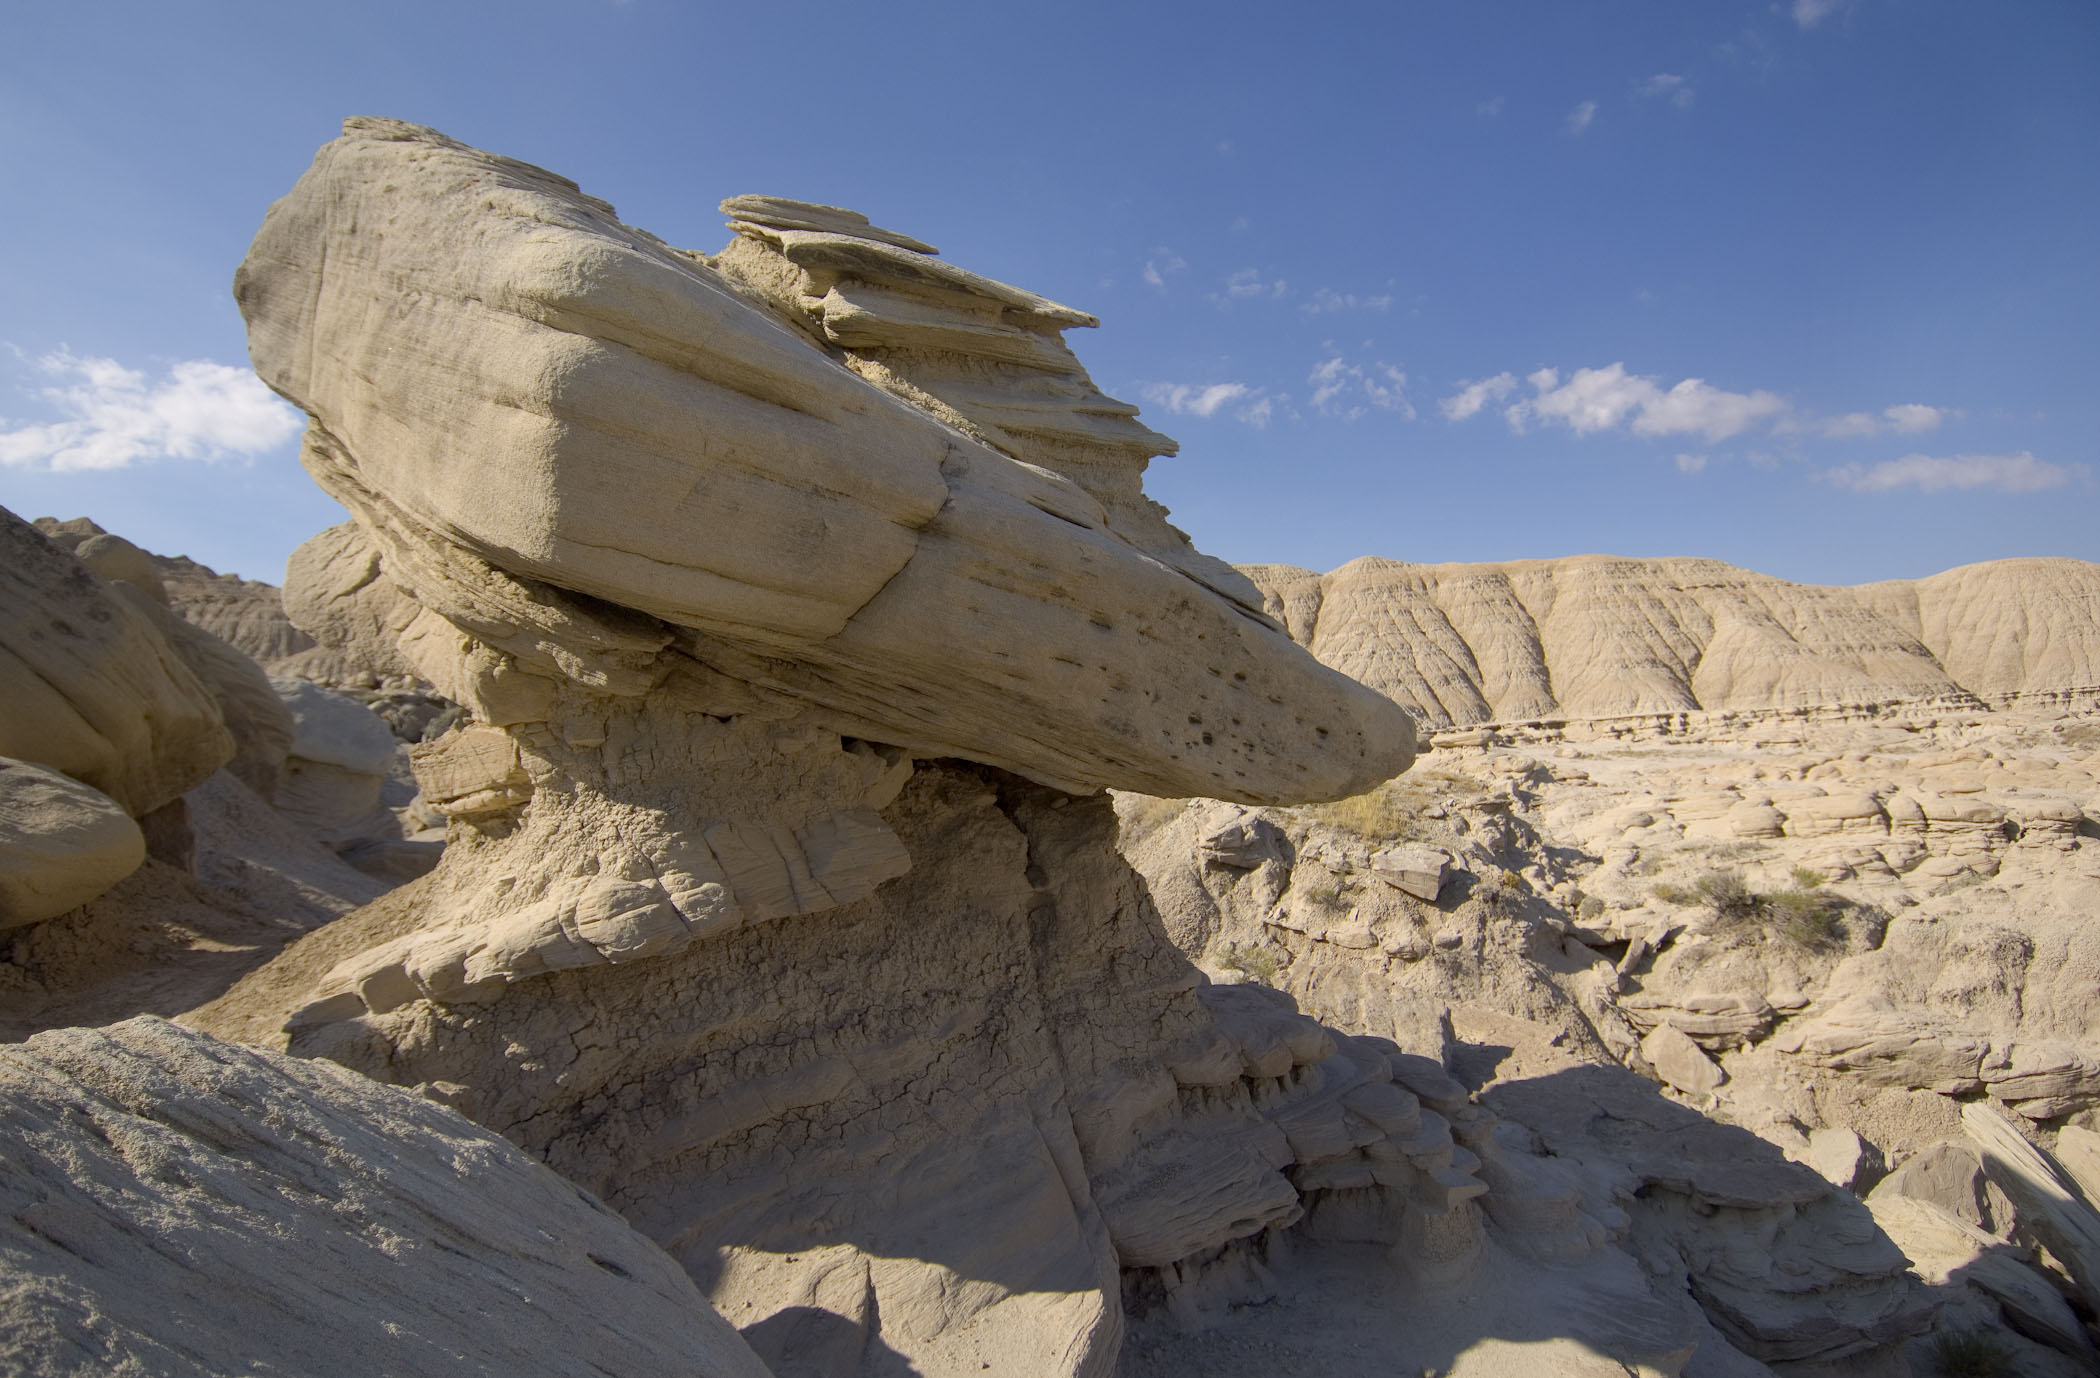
(1601, 637)
(759, 850)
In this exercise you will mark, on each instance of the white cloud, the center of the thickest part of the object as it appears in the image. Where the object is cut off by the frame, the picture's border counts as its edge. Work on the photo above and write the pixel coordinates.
(1691, 464)
(1665, 86)
(1490, 108)
(1809, 13)
(1258, 413)
(1194, 399)
(1579, 118)
(1471, 397)
(114, 419)
(1691, 406)
(1327, 299)
(1163, 262)
(1603, 399)
(1343, 389)
(1908, 418)
(2017, 473)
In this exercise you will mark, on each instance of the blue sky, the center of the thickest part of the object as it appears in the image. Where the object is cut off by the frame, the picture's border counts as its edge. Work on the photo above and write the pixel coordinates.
(1808, 286)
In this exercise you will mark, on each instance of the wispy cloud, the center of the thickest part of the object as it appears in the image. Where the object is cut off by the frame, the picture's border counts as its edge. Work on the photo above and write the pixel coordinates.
(1603, 399)
(1809, 13)
(1348, 390)
(1161, 264)
(114, 418)
(1206, 400)
(1580, 117)
(1471, 397)
(1247, 284)
(2015, 473)
(1197, 399)
(1666, 86)
(1489, 108)
(1909, 418)
(1327, 299)
(1691, 464)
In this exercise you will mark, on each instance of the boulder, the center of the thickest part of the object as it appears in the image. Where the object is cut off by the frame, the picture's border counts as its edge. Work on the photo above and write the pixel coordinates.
(1681, 1062)
(61, 843)
(1414, 870)
(91, 686)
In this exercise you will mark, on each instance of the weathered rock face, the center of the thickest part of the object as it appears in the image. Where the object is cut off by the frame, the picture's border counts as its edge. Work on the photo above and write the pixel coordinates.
(766, 911)
(92, 688)
(1598, 637)
(564, 416)
(173, 1204)
(2004, 628)
(244, 613)
(1844, 933)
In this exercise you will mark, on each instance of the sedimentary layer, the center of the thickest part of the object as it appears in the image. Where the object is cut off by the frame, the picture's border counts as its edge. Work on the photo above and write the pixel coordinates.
(1597, 636)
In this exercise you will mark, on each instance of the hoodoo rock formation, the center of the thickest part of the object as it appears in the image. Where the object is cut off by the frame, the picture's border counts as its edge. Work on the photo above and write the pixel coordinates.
(1598, 636)
(803, 600)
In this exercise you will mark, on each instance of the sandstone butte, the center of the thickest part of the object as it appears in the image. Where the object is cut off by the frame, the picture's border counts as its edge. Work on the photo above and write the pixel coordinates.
(800, 603)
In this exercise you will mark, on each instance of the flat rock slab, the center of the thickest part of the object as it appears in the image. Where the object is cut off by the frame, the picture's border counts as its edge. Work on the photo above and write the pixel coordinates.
(172, 1204)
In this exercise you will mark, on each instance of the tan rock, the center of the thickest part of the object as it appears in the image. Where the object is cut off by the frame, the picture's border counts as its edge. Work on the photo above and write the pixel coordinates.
(1682, 1062)
(169, 1200)
(870, 534)
(92, 688)
(61, 843)
(1414, 870)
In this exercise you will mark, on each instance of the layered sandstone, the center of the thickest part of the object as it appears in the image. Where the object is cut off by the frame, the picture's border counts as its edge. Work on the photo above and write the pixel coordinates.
(779, 904)
(1601, 637)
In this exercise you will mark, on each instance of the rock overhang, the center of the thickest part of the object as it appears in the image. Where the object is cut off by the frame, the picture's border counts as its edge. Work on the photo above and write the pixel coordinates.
(502, 376)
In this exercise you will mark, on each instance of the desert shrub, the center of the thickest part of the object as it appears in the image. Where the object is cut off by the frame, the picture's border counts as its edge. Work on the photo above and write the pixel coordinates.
(1383, 813)
(1391, 812)
(1324, 892)
(1591, 908)
(1970, 1354)
(1807, 918)
(1729, 897)
(1255, 961)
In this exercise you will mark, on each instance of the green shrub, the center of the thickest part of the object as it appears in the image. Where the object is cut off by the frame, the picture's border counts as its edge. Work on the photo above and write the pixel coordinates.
(1808, 918)
(1729, 897)
(1970, 1354)
(1322, 892)
(1255, 961)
